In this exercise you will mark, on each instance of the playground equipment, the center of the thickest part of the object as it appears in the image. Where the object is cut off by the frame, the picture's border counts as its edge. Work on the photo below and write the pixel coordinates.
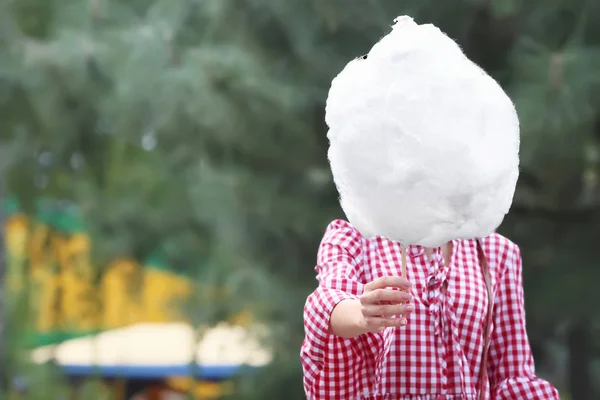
(125, 327)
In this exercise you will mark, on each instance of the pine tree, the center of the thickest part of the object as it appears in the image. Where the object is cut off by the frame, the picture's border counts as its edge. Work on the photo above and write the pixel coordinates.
(3, 377)
(197, 127)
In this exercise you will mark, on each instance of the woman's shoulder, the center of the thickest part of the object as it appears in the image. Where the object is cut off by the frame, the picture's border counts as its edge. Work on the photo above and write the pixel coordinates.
(340, 229)
(341, 224)
(341, 233)
(499, 246)
(495, 244)
(501, 252)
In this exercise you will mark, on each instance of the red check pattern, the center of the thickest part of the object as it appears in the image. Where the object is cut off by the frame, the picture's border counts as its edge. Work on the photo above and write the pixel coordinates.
(437, 355)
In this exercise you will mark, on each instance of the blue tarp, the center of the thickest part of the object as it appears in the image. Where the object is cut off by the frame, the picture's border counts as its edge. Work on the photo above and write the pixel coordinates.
(212, 373)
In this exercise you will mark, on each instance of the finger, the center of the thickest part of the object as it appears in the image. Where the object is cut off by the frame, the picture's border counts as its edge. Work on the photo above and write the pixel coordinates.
(386, 311)
(377, 324)
(388, 281)
(384, 296)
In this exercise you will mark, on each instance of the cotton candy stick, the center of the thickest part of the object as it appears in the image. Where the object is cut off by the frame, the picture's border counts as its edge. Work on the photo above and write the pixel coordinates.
(404, 266)
(403, 262)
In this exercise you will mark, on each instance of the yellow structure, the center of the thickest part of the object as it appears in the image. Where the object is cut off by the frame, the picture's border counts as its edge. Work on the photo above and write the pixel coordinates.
(49, 264)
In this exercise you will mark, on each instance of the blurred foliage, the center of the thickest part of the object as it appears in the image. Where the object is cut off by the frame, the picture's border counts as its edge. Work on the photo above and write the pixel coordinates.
(197, 127)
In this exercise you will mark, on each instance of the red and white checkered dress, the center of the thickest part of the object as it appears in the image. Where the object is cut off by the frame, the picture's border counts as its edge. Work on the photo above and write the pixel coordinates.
(437, 355)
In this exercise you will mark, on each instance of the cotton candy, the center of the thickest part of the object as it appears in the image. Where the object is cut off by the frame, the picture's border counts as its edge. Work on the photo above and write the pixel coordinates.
(424, 145)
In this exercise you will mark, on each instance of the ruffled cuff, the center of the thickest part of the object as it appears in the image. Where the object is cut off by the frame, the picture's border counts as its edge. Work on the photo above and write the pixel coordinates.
(332, 365)
(317, 312)
(524, 388)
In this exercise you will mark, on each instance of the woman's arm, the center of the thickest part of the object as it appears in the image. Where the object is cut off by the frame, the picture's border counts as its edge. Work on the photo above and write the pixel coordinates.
(343, 318)
(346, 319)
(329, 360)
(511, 367)
(377, 309)
(338, 274)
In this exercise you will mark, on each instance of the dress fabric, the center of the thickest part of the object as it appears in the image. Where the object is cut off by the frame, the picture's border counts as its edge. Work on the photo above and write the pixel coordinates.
(437, 356)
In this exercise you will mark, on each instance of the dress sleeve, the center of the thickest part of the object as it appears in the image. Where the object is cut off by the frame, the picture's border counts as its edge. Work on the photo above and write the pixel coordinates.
(334, 367)
(511, 366)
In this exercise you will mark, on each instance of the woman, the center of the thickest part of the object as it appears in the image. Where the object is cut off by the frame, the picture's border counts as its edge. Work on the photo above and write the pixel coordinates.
(373, 335)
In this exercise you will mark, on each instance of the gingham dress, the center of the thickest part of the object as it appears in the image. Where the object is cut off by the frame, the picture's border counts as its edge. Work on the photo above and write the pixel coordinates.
(437, 355)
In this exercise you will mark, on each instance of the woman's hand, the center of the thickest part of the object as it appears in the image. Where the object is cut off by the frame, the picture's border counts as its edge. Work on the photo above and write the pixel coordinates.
(375, 309)
(380, 303)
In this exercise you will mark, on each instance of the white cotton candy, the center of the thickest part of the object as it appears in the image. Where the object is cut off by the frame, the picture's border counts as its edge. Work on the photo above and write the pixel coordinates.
(424, 145)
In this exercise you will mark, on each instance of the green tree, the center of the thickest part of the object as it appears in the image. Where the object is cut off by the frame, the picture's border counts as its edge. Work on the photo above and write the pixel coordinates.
(3, 384)
(197, 126)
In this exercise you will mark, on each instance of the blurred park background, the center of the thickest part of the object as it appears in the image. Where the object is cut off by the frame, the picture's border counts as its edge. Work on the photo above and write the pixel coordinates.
(165, 185)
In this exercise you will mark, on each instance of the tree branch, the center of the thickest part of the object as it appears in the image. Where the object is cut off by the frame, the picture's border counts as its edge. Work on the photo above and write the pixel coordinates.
(580, 215)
